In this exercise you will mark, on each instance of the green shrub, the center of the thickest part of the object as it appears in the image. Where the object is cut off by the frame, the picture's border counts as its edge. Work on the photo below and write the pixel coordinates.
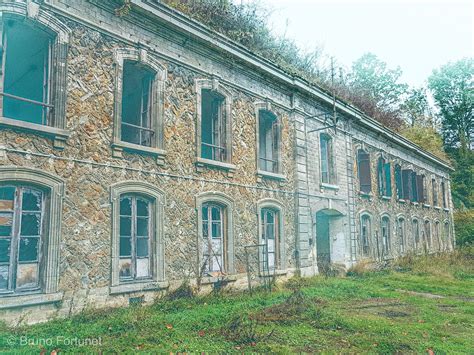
(464, 227)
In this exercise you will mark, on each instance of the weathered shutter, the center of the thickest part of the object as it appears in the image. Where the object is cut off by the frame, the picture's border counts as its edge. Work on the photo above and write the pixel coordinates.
(398, 181)
(380, 164)
(406, 184)
(363, 162)
(388, 180)
(275, 145)
(419, 188)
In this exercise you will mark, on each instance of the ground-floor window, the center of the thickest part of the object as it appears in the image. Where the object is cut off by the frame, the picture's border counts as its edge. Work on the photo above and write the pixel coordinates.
(22, 218)
(401, 233)
(365, 234)
(213, 234)
(270, 237)
(135, 237)
(385, 231)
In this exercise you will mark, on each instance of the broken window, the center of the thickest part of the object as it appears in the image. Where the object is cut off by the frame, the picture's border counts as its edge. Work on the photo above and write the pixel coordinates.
(420, 189)
(25, 83)
(213, 234)
(269, 220)
(135, 238)
(137, 100)
(363, 165)
(398, 181)
(328, 174)
(365, 234)
(401, 233)
(384, 177)
(21, 232)
(416, 232)
(213, 126)
(269, 141)
(434, 192)
(385, 226)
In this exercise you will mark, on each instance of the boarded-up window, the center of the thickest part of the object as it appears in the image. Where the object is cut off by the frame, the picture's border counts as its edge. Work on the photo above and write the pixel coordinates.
(21, 235)
(214, 238)
(213, 126)
(365, 233)
(137, 103)
(407, 185)
(398, 181)
(270, 238)
(328, 172)
(269, 141)
(25, 87)
(363, 167)
(135, 238)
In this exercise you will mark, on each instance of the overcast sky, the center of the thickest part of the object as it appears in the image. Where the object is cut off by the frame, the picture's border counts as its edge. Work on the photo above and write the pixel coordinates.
(417, 35)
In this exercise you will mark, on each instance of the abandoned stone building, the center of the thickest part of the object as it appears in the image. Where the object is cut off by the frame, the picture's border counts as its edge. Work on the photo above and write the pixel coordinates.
(142, 150)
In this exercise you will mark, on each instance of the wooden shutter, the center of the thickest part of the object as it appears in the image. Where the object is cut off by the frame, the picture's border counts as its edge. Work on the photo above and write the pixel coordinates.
(363, 163)
(388, 180)
(406, 184)
(398, 181)
(419, 188)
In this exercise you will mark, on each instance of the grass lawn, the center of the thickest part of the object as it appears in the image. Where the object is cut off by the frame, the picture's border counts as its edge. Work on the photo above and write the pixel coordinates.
(418, 305)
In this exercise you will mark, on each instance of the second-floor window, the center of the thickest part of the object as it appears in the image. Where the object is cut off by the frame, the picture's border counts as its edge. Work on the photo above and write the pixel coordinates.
(363, 169)
(328, 173)
(137, 100)
(434, 192)
(269, 142)
(384, 177)
(25, 81)
(399, 181)
(213, 126)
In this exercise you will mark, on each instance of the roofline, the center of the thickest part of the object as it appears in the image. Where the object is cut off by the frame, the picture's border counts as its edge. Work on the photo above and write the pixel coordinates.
(207, 35)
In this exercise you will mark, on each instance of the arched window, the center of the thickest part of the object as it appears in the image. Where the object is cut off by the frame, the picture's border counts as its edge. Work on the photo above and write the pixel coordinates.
(363, 169)
(137, 236)
(385, 232)
(416, 233)
(446, 235)
(328, 173)
(269, 132)
(139, 97)
(270, 228)
(215, 235)
(427, 233)
(30, 227)
(33, 75)
(437, 235)
(401, 234)
(214, 127)
(434, 192)
(365, 234)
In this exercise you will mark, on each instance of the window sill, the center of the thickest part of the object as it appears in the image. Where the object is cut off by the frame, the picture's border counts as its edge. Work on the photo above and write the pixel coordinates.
(207, 280)
(402, 201)
(270, 175)
(119, 147)
(414, 203)
(329, 186)
(58, 135)
(273, 273)
(366, 195)
(425, 205)
(437, 207)
(203, 162)
(138, 287)
(19, 300)
(446, 209)
(386, 198)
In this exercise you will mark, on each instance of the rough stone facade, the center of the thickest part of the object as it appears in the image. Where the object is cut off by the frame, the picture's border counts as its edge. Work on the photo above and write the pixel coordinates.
(86, 164)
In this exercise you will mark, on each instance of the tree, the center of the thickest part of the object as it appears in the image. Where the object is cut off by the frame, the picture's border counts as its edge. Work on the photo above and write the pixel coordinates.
(371, 77)
(453, 90)
(416, 109)
(428, 138)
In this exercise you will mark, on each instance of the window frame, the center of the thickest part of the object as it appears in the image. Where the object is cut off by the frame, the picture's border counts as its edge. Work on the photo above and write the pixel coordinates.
(60, 33)
(386, 242)
(368, 217)
(416, 232)
(266, 108)
(227, 204)
(140, 57)
(276, 206)
(401, 227)
(157, 256)
(214, 85)
(53, 186)
(331, 161)
(359, 171)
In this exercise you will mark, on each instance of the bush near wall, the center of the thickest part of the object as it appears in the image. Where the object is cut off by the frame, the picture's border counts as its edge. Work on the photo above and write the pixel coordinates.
(464, 227)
